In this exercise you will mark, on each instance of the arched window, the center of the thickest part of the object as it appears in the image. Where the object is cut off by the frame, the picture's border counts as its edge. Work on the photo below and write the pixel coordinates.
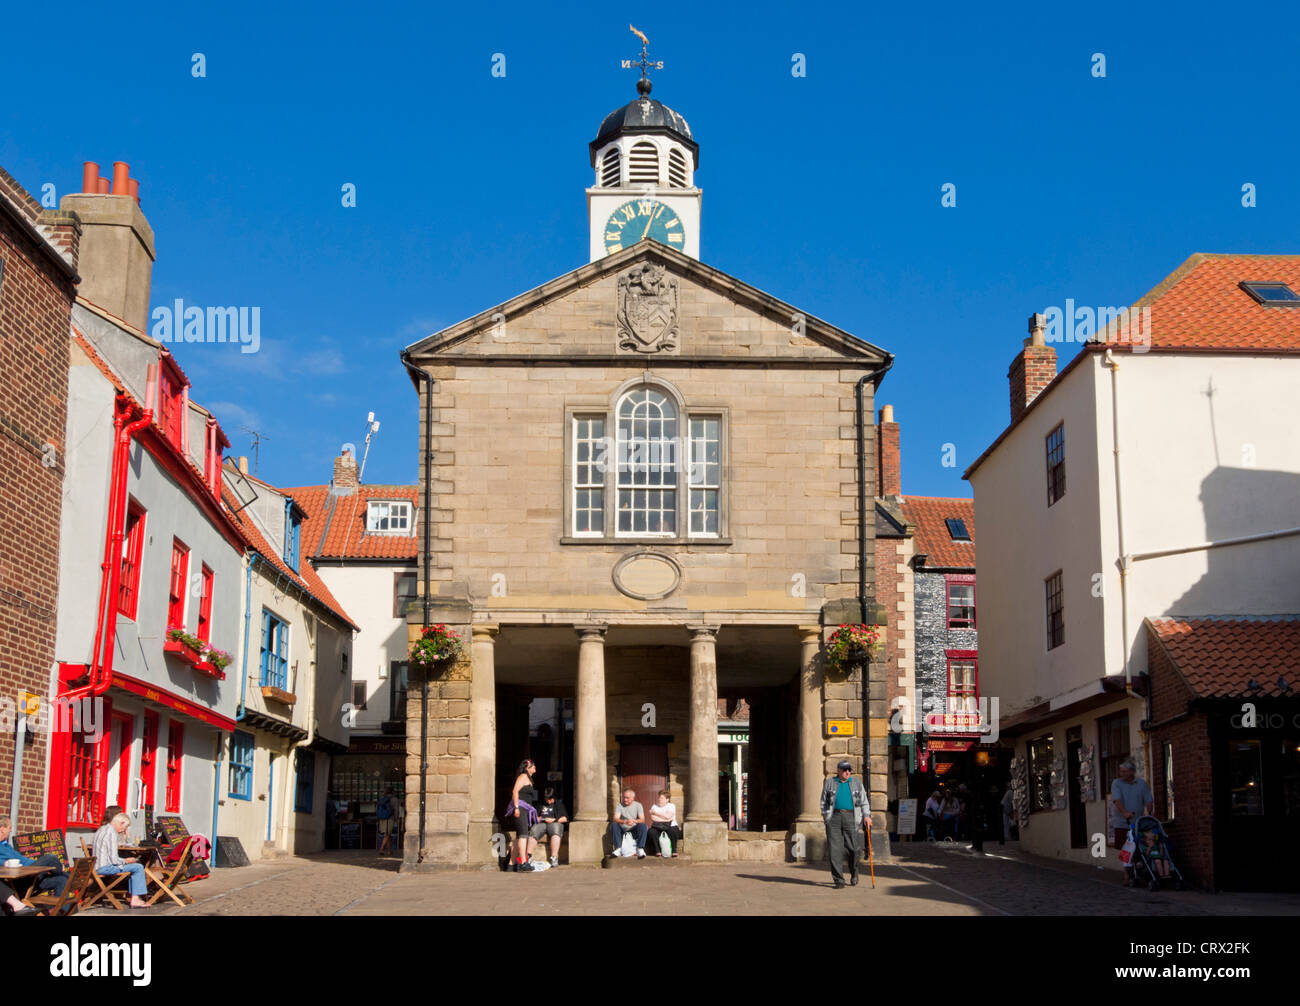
(643, 164)
(676, 169)
(648, 468)
(647, 463)
(609, 169)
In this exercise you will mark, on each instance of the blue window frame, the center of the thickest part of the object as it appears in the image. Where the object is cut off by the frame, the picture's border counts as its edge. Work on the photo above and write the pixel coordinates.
(241, 765)
(275, 650)
(306, 782)
(292, 533)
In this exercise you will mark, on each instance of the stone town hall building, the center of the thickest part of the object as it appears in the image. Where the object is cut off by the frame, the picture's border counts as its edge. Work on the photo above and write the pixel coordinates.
(644, 481)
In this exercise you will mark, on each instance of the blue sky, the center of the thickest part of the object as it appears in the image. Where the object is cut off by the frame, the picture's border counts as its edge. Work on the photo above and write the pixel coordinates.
(822, 190)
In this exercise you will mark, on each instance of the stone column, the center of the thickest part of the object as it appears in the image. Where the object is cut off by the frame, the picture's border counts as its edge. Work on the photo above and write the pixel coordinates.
(587, 835)
(704, 832)
(482, 743)
(812, 767)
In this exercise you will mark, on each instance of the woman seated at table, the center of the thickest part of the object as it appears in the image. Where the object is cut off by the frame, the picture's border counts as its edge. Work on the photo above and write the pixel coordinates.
(52, 881)
(108, 862)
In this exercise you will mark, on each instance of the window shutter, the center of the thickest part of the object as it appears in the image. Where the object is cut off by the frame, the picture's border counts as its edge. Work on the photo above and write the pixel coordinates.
(643, 164)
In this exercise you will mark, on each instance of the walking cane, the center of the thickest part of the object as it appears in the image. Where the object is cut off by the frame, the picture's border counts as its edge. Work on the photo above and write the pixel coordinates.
(871, 855)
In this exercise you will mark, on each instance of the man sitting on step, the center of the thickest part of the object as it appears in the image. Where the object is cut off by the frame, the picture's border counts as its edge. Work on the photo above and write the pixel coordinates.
(629, 818)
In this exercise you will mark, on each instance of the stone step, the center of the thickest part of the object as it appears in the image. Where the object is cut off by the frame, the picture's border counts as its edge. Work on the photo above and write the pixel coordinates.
(272, 851)
(621, 862)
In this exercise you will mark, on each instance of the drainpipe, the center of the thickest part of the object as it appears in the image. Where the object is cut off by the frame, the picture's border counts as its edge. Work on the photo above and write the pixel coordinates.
(216, 794)
(101, 666)
(422, 375)
(248, 616)
(862, 484)
(1113, 365)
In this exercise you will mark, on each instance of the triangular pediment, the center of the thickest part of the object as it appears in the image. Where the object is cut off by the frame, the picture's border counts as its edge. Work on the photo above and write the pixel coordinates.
(646, 302)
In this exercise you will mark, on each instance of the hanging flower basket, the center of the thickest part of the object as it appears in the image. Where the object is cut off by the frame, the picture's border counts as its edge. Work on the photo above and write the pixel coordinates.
(437, 647)
(851, 645)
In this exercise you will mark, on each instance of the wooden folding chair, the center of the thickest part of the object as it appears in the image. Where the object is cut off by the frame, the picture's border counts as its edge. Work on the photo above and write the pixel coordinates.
(74, 890)
(168, 879)
(105, 884)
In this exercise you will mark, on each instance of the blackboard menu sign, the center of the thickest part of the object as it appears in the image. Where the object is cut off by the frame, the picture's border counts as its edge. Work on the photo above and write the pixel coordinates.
(150, 829)
(349, 834)
(173, 829)
(40, 843)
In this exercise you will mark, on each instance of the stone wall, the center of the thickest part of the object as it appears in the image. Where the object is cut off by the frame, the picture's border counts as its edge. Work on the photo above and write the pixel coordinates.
(934, 639)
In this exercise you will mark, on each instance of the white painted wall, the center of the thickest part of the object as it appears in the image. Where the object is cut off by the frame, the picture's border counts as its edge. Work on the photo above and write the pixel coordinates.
(1022, 541)
(366, 594)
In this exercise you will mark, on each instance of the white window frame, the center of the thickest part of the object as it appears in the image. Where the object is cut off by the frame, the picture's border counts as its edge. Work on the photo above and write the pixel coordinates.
(601, 465)
(372, 521)
(704, 486)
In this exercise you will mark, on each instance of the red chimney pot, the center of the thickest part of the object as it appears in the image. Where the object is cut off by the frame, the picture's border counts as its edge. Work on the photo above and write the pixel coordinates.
(121, 175)
(89, 177)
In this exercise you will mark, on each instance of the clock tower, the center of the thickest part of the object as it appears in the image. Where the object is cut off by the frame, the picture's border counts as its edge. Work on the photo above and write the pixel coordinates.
(645, 161)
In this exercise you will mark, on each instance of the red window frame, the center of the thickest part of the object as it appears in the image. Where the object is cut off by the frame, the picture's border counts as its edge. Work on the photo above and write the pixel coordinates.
(148, 755)
(128, 584)
(963, 657)
(171, 401)
(87, 774)
(959, 580)
(205, 605)
(179, 581)
(175, 752)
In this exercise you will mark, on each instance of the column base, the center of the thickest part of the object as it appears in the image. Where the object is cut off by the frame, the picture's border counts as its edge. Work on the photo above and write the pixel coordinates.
(480, 850)
(442, 848)
(587, 841)
(706, 841)
(813, 830)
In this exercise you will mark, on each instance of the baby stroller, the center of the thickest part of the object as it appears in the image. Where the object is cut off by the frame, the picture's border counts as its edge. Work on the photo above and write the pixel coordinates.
(1151, 845)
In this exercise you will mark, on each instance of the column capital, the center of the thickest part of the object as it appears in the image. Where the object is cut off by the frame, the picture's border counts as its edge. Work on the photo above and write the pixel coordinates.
(809, 633)
(591, 630)
(485, 632)
(707, 633)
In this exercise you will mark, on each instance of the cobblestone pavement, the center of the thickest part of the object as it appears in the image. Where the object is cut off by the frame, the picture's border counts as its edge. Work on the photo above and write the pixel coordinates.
(923, 880)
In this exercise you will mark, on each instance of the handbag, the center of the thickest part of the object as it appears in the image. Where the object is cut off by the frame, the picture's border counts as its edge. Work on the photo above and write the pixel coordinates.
(665, 844)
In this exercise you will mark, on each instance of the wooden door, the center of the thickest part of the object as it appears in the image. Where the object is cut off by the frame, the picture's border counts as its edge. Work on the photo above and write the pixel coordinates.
(643, 767)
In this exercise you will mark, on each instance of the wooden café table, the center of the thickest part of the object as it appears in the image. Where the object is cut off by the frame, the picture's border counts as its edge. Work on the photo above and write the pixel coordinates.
(28, 873)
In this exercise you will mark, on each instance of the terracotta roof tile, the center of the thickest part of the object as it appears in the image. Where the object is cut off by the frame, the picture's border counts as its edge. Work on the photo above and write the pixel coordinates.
(1218, 657)
(307, 578)
(1201, 305)
(933, 541)
(335, 526)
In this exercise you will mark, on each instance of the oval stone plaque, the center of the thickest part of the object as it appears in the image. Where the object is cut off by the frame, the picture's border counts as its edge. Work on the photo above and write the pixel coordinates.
(647, 576)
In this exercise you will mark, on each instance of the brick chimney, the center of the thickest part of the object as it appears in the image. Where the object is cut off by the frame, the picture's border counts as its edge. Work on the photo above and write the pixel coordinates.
(888, 465)
(345, 474)
(116, 254)
(1033, 369)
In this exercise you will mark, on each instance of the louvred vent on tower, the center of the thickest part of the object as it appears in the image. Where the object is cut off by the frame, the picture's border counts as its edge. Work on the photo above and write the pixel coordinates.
(676, 169)
(643, 164)
(609, 170)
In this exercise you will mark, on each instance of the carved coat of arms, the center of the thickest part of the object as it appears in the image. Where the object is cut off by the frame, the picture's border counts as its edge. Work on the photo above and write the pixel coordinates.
(647, 309)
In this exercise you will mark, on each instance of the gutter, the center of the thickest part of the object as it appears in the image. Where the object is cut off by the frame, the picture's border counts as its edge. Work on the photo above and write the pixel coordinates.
(419, 374)
(875, 375)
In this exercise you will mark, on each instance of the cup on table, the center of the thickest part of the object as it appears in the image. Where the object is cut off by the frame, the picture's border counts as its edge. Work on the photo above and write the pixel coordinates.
(13, 862)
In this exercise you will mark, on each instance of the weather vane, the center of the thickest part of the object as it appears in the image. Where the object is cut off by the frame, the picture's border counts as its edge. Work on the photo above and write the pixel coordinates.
(643, 85)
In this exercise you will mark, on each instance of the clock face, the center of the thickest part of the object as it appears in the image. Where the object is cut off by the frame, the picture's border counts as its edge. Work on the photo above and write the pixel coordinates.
(643, 218)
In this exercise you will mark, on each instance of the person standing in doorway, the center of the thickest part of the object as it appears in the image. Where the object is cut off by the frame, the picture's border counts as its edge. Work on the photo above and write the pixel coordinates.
(845, 807)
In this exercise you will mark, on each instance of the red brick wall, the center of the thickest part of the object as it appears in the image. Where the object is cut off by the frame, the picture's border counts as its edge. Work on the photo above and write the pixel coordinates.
(1031, 371)
(889, 584)
(35, 308)
(887, 460)
(1191, 830)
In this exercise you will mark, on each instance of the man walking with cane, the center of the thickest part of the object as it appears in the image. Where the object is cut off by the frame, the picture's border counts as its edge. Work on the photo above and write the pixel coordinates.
(845, 807)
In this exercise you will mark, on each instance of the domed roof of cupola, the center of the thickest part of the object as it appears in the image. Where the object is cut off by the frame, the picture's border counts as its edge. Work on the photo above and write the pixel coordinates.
(644, 115)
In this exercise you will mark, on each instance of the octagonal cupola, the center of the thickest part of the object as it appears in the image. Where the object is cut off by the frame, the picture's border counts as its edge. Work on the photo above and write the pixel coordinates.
(644, 159)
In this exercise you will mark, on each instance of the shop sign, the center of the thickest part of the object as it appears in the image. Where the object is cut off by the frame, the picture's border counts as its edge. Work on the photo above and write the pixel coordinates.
(954, 723)
(839, 728)
(933, 745)
(729, 738)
